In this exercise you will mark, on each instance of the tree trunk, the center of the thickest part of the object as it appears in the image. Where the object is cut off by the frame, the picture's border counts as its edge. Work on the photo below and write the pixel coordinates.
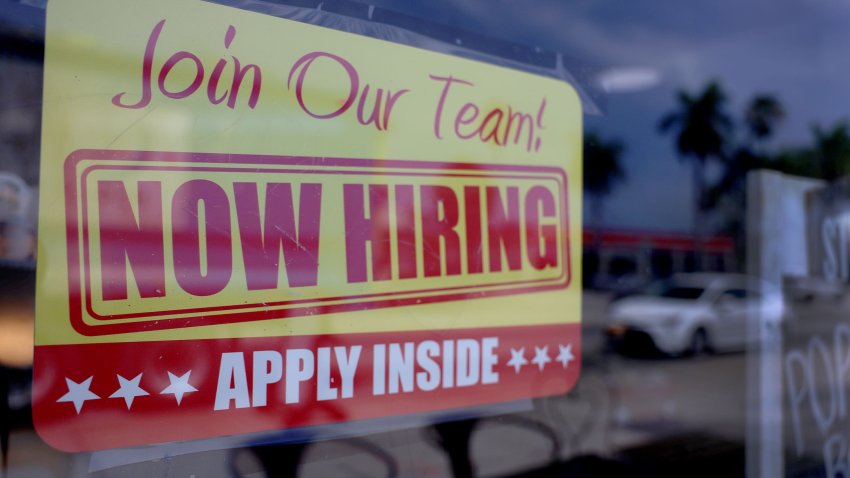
(699, 226)
(596, 210)
(596, 206)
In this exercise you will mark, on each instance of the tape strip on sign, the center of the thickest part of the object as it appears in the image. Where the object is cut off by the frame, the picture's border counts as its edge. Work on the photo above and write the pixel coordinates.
(245, 217)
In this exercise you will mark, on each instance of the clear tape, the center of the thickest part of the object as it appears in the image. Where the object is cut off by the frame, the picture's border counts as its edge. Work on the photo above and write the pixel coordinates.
(383, 24)
(376, 22)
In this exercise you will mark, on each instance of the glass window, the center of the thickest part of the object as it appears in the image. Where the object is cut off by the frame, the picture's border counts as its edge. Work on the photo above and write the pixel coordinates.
(443, 238)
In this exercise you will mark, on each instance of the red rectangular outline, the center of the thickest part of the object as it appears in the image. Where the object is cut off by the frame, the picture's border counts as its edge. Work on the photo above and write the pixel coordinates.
(86, 248)
(311, 306)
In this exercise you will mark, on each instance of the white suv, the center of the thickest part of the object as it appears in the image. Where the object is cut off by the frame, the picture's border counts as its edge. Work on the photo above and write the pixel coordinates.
(694, 313)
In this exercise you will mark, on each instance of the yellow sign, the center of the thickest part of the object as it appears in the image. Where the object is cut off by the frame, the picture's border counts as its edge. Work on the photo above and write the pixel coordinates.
(218, 80)
(213, 173)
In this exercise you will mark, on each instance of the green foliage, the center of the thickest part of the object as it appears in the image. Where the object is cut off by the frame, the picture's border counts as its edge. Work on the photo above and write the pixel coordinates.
(602, 168)
(828, 157)
(762, 116)
(701, 127)
(700, 123)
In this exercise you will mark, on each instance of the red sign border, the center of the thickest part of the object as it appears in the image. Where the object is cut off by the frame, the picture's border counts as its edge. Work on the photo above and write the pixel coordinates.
(106, 423)
(74, 224)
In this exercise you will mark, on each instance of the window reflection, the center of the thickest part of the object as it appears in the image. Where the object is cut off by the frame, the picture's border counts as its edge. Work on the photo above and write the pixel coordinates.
(715, 254)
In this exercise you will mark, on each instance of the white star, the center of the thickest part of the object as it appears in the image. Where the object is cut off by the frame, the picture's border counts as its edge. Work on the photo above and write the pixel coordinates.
(78, 393)
(129, 390)
(565, 354)
(178, 386)
(541, 357)
(517, 359)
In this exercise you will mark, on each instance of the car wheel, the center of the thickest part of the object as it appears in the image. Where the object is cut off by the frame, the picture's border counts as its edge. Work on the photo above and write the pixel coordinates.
(700, 345)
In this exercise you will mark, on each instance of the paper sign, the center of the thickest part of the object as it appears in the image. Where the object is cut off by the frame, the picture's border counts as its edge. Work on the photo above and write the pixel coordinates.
(249, 224)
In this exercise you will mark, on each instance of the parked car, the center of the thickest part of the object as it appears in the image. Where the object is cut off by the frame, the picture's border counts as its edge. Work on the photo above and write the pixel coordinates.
(693, 313)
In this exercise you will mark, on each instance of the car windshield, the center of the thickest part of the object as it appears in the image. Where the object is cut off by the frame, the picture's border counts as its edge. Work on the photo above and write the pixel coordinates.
(673, 290)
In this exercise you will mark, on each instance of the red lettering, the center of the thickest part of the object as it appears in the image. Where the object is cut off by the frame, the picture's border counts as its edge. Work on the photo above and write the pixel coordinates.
(170, 64)
(186, 213)
(472, 206)
(503, 229)
(465, 119)
(304, 63)
(123, 239)
(438, 116)
(219, 68)
(374, 117)
(262, 243)
(391, 100)
(524, 120)
(147, 69)
(541, 240)
(389, 229)
(496, 126)
(360, 229)
(365, 115)
(406, 231)
(239, 75)
(494, 129)
(439, 219)
(212, 86)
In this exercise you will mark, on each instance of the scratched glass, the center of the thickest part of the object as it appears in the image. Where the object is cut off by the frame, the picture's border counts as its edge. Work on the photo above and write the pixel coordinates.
(256, 238)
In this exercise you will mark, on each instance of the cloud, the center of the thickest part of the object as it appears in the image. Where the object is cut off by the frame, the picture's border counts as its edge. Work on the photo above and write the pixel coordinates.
(794, 49)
